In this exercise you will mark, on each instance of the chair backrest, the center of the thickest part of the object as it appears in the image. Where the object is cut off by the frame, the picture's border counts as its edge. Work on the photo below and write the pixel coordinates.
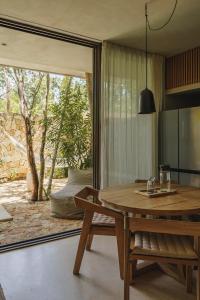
(162, 226)
(140, 180)
(157, 181)
(87, 192)
(165, 226)
(82, 201)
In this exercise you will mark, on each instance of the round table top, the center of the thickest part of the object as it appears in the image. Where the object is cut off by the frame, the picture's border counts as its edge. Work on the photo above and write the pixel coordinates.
(124, 198)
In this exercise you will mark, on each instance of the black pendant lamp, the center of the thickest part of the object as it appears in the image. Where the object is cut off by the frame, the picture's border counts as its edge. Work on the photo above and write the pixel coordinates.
(146, 101)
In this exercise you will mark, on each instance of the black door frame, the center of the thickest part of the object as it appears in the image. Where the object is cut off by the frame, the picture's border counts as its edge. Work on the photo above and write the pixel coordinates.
(96, 46)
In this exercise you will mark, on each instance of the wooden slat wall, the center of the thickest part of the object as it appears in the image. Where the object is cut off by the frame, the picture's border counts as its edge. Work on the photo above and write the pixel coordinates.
(183, 69)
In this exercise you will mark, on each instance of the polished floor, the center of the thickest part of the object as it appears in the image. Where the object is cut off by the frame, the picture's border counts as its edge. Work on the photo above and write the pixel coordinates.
(44, 272)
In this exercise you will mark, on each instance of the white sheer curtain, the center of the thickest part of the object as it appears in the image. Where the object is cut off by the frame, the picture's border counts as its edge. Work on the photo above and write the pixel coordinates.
(128, 140)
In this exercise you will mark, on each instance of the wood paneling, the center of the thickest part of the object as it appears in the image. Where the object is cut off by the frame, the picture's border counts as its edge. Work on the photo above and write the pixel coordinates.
(183, 69)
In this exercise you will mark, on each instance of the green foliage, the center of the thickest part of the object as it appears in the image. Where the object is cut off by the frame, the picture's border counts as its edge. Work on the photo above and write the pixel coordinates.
(8, 88)
(2, 105)
(75, 138)
(58, 173)
(14, 100)
(13, 175)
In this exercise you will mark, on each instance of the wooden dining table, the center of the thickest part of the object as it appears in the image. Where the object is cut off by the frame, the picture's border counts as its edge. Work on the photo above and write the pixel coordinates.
(124, 198)
(186, 200)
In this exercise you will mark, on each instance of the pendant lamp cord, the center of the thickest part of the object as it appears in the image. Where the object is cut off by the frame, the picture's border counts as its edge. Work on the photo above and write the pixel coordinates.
(166, 23)
(146, 41)
(148, 26)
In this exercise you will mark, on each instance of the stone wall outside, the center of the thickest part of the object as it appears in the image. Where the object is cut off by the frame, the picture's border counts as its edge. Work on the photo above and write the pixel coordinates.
(13, 159)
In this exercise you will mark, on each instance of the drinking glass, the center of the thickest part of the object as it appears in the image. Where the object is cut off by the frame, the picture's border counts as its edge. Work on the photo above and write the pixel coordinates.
(151, 185)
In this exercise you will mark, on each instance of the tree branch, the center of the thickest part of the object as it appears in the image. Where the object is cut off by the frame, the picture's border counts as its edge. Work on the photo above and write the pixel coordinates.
(34, 95)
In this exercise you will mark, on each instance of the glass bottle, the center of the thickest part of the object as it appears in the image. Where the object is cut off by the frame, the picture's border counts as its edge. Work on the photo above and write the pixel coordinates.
(165, 178)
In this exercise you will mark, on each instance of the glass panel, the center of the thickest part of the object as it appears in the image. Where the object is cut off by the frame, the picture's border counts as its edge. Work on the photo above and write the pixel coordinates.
(190, 179)
(174, 177)
(45, 67)
(189, 138)
(169, 138)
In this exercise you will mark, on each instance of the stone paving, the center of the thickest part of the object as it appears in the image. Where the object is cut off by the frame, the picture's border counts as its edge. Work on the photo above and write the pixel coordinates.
(30, 220)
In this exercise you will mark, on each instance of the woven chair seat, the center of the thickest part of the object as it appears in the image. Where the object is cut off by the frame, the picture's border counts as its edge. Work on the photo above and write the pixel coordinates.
(167, 245)
(100, 219)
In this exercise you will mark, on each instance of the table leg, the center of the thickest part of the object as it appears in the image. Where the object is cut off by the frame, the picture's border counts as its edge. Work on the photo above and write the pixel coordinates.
(126, 257)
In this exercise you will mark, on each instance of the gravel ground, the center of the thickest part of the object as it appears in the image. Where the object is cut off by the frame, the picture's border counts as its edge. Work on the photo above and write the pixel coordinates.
(30, 220)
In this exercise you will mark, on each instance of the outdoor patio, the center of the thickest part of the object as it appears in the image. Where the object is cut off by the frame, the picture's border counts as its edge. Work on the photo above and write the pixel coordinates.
(30, 220)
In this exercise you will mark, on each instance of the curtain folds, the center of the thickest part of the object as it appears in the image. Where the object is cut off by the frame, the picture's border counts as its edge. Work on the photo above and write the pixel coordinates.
(128, 141)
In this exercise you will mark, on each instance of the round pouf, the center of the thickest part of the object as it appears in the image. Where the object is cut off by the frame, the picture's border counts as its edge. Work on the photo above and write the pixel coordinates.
(62, 202)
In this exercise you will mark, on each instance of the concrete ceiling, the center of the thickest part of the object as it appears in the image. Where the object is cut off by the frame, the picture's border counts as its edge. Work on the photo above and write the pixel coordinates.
(38, 53)
(119, 21)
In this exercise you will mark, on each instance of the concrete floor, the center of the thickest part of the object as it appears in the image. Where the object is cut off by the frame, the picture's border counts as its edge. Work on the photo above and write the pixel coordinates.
(44, 272)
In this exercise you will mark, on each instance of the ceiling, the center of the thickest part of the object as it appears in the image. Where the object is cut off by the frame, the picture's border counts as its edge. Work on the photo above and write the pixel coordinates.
(121, 22)
(116, 20)
(38, 53)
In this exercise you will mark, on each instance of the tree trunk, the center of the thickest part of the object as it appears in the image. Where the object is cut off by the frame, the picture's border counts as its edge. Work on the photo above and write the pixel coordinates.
(43, 140)
(31, 158)
(58, 140)
(28, 132)
(7, 90)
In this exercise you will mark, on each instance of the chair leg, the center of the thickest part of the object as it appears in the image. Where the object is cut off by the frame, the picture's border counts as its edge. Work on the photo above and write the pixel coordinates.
(181, 271)
(119, 227)
(198, 283)
(189, 270)
(89, 242)
(133, 270)
(126, 259)
(82, 242)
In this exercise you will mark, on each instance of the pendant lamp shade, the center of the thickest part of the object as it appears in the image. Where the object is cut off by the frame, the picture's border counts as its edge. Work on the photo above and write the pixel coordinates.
(146, 102)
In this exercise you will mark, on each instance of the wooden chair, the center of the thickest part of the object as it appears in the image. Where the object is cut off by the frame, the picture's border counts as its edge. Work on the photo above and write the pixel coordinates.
(98, 220)
(140, 180)
(157, 181)
(163, 241)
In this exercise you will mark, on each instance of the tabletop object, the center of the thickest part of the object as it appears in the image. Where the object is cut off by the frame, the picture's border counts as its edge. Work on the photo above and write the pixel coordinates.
(155, 193)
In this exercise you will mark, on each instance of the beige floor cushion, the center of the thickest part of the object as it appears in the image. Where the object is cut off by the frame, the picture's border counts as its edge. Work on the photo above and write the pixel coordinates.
(82, 177)
(62, 202)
